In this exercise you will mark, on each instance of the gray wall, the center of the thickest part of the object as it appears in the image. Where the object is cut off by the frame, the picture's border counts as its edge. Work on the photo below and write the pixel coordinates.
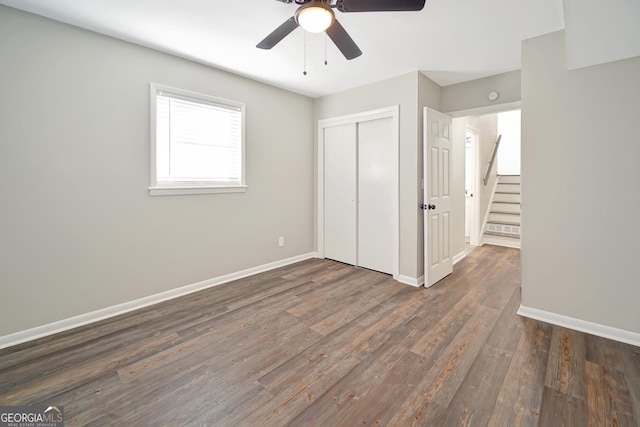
(403, 91)
(580, 152)
(596, 35)
(79, 231)
(473, 94)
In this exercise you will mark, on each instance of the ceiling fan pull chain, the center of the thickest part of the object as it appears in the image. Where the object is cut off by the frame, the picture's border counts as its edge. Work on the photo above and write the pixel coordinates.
(325, 48)
(304, 53)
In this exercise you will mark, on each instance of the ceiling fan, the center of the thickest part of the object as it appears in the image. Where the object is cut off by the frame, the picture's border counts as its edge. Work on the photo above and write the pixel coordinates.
(317, 15)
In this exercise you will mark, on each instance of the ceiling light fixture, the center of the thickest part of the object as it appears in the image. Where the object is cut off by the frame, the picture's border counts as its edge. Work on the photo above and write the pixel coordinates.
(315, 17)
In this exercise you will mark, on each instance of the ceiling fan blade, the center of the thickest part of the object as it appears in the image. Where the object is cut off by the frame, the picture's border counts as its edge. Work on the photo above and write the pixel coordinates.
(278, 34)
(379, 5)
(343, 40)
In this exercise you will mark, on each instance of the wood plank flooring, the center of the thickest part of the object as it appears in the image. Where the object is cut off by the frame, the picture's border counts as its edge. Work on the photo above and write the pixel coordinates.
(320, 343)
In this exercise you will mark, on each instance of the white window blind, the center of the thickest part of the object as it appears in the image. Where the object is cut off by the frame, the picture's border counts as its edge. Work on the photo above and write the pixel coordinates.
(198, 141)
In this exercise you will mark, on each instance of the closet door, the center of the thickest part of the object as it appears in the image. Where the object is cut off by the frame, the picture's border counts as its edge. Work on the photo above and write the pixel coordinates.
(376, 172)
(340, 161)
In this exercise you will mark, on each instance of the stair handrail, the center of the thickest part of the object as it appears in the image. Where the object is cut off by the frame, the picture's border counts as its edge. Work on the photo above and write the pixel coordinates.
(492, 160)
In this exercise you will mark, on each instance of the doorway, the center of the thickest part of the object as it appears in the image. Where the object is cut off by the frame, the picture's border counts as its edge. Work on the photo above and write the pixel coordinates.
(491, 204)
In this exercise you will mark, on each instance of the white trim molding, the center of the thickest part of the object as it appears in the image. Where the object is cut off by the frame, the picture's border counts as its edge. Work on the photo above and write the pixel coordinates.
(105, 313)
(459, 257)
(604, 331)
(411, 281)
(392, 112)
(474, 226)
(487, 109)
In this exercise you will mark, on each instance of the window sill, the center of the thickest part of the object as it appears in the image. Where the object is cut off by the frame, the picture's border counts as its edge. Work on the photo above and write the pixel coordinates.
(187, 190)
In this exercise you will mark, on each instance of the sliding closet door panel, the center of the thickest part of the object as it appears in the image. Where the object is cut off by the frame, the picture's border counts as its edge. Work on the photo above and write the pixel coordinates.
(376, 172)
(340, 193)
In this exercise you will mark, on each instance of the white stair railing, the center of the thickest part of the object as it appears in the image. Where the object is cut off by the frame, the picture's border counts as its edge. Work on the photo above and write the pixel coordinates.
(491, 160)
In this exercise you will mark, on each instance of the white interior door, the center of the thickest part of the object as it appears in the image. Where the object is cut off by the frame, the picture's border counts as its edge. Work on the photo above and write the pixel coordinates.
(437, 196)
(340, 180)
(376, 172)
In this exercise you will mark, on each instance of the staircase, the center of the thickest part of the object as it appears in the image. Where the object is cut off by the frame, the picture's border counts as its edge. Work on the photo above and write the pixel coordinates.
(503, 222)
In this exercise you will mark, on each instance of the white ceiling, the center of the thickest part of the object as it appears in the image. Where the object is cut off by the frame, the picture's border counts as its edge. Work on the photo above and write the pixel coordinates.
(450, 41)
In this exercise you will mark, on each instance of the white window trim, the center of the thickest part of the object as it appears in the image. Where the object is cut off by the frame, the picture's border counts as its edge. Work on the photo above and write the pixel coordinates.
(185, 188)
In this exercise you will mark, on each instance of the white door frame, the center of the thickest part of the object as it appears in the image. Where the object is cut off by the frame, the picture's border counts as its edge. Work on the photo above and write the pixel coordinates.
(392, 112)
(474, 235)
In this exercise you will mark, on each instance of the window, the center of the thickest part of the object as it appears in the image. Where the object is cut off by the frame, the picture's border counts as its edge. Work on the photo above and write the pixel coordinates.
(197, 143)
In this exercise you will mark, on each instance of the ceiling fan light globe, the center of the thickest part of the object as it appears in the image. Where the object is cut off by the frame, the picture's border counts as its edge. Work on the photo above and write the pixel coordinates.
(315, 18)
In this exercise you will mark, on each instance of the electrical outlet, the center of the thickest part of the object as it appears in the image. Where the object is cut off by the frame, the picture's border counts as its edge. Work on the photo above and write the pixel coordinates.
(281, 241)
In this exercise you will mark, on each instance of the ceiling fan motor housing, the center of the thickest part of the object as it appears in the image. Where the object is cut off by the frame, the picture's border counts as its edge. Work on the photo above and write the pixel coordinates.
(325, 20)
(315, 16)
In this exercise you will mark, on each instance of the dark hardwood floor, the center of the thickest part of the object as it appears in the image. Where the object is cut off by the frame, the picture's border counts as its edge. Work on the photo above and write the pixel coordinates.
(320, 343)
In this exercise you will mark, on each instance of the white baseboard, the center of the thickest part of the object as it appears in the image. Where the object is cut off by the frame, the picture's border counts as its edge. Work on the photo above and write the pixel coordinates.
(604, 331)
(105, 313)
(459, 257)
(411, 281)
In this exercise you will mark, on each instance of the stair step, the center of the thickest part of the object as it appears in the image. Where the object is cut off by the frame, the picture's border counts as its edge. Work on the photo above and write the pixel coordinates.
(504, 217)
(504, 222)
(506, 241)
(510, 236)
(503, 179)
(505, 207)
(503, 225)
(508, 188)
(503, 229)
(507, 197)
